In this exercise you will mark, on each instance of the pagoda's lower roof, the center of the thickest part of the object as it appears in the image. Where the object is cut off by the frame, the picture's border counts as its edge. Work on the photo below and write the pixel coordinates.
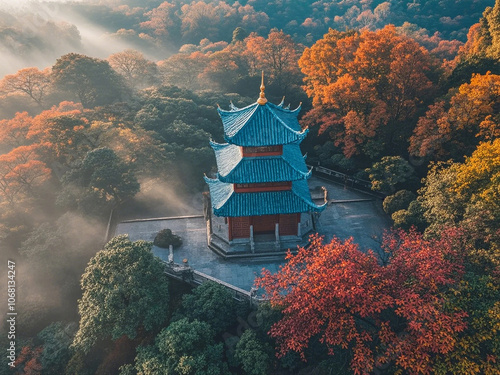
(228, 203)
(233, 167)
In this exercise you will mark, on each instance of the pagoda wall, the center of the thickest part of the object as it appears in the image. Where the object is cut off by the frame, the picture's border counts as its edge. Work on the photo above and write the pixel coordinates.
(220, 227)
(288, 224)
(239, 227)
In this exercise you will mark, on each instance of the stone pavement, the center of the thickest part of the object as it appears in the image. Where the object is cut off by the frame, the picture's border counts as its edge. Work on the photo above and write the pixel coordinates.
(348, 215)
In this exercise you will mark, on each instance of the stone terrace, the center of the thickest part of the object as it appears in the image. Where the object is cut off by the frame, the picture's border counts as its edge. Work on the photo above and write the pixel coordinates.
(349, 213)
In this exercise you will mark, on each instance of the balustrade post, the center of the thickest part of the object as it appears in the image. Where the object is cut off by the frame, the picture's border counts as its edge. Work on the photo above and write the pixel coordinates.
(252, 243)
(170, 254)
(277, 235)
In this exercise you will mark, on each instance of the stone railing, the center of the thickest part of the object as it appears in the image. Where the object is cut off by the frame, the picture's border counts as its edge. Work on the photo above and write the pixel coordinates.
(185, 273)
(346, 180)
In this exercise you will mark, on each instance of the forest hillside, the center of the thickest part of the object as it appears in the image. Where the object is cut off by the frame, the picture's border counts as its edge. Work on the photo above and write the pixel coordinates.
(107, 109)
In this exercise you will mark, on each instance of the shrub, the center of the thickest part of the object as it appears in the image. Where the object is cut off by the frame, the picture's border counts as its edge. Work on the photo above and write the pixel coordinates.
(413, 216)
(165, 238)
(398, 201)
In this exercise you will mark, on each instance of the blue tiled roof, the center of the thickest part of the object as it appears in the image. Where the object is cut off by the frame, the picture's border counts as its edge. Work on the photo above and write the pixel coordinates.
(235, 168)
(227, 203)
(261, 125)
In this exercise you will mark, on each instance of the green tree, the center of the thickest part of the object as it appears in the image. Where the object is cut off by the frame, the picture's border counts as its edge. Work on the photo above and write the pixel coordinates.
(127, 369)
(470, 65)
(252, 354)
(211, 303)
(413, 216)
(398, 201)
(389, 173)
(125, 289)
(105, 172)
(100, 180)
(56, 340)
(183, 348)
(92, 80)
(367, 88)
(239, 34)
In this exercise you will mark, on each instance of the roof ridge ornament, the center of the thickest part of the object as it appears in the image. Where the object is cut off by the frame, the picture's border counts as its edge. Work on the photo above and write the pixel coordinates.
(262, 97)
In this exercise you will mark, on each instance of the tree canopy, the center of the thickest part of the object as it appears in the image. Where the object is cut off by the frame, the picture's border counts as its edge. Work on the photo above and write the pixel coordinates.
(393, 104)
(183, 347)
(124, 290)
(91, 80)
(366, 87)
(104, 179)
(211, 303)
(388, 315)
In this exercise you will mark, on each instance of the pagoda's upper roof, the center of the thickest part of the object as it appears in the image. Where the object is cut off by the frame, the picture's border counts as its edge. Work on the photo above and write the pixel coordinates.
(235, 168)
(228, 203)
(261, 125)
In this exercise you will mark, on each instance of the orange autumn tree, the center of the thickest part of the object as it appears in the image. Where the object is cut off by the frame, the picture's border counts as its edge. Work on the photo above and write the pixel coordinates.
(61, 128)
(276, 55)
(369, 85)
(385, 315)
(13, 132)
(32, 82)
(22, 173)
(455, 129)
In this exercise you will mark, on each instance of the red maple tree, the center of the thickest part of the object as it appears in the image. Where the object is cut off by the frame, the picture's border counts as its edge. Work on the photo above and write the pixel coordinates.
(385, 312)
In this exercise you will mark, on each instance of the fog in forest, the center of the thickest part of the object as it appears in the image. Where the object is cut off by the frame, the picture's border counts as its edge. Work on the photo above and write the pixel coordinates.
(34, 33)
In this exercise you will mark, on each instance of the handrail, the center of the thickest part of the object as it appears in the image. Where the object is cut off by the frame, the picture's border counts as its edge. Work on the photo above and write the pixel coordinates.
(187, 274)
(347, 180)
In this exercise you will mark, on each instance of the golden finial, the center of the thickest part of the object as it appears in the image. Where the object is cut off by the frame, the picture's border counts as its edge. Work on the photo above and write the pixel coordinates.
(262, 98)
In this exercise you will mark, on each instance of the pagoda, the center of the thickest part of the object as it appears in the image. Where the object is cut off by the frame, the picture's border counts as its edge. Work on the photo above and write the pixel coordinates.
(260, 197)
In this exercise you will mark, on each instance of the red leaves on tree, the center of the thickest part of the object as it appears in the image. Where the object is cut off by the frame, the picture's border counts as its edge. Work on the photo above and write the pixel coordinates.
(383, 313)
(29, 358)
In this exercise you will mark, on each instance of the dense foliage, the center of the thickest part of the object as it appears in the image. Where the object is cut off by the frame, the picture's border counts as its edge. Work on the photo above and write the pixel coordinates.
(183, 347)
(390, 314)
(158, 26)
(211, 303)
(124, 290)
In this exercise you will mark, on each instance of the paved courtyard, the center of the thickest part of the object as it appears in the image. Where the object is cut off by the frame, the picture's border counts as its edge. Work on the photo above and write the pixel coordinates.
(349, 214)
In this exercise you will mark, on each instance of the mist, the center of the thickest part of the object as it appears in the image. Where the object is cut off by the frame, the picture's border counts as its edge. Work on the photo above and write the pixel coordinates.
(50, 257)
(36, 33)
(161, 198)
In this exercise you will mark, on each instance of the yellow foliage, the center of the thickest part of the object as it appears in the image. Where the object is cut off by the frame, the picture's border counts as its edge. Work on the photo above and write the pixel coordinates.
(479, 177)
